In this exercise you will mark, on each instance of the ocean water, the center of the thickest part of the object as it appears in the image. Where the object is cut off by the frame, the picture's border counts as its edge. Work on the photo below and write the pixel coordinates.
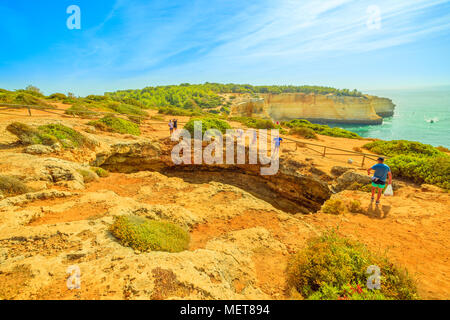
(420, 115)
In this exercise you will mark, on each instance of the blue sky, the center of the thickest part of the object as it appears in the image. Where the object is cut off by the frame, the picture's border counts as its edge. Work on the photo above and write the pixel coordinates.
(133, 44)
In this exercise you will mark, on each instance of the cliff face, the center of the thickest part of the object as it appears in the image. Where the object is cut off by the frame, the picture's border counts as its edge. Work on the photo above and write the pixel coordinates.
(382, 106)
(317, 108)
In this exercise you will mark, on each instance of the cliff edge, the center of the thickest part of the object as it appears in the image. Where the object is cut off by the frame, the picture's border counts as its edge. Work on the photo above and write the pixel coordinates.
(317, 108)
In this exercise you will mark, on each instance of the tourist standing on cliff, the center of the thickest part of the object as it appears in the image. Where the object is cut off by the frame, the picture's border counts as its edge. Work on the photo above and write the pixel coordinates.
(175, 124)
(382, 171)
(277, 142)
(171, 126)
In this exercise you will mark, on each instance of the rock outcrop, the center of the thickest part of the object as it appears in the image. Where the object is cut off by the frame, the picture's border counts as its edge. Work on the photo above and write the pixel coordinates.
(294, 183)
(317, 108)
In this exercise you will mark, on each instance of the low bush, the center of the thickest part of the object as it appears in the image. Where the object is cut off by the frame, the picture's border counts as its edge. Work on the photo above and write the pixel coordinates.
(304, 132)
(11, 186)
(321, 129)
(57, 96)
(256, 123)
(333, 267)
(47, 135)
(149, 235)
(354, 206)
(333, 206)
(102, 173)
(421, 163)
(208, 123)
(402, 147)
(174, 111)
(81, 111)
(64, 134)
(114, 124)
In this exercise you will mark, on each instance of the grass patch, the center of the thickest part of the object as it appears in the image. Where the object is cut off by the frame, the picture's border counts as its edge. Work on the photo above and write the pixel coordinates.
(321, 129)
(208, 123)
(149, 235)
(114, 124)
(333, 267)
(10, 186)
(421, 163)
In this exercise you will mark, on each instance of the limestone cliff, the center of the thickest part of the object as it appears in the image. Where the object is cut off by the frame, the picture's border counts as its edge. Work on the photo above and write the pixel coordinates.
(316, 108)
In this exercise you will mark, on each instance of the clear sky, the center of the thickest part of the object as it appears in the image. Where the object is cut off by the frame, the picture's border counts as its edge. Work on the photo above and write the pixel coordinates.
(136, 43)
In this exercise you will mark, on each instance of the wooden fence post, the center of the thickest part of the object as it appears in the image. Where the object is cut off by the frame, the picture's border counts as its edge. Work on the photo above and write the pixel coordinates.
(29, 111)
(363, 159)
(324, 151)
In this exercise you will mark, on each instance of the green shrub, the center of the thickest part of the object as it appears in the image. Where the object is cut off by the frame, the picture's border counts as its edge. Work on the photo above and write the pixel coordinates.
(149, 235)
(331, 265)
(114, 124)
(47, 135)
(256, 123)
(333, 206)
(354, 206)
(10, 186)
(207, 123)
(81, 111)
(57, 96)
(402, 147)
(102, 173)
(430, 170)
(173, 111)
(127, 109)
(304, 132)
(321, 129)
(62, 133)
(421, 163)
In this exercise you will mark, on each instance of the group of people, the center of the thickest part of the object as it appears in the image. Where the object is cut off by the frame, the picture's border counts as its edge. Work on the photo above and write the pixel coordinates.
(173, 125)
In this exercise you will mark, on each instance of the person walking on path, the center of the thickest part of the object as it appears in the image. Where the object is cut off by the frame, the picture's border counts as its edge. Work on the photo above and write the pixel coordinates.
(382, 172)
(175, 124)
(171, 127)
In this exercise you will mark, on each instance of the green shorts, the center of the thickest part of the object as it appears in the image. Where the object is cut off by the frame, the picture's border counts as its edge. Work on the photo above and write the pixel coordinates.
(375, 185)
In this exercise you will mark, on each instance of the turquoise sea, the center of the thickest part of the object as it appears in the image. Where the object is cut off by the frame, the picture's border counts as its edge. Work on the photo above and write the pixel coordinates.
(420, 115)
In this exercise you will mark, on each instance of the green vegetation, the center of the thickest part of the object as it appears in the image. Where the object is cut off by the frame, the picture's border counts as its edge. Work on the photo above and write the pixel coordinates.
(334, 206)
(421, 163)
(255, 123)
(114, 124)
(68, 137)
(321, 129)
(11, 186)
(24, 97)
(57, 96)
(332, 267)
(47, 135)
(208, 123)
(88, 175)
(102, 173)
(149, 235)
(304, 132)
(174, 111)
(81, 111)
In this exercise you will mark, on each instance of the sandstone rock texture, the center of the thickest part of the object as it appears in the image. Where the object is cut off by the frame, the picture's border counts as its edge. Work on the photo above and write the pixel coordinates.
(317, 108)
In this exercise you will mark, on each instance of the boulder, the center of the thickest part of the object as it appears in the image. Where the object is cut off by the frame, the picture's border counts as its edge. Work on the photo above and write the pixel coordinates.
(338, 170)
(38, 149)
(350, 177)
